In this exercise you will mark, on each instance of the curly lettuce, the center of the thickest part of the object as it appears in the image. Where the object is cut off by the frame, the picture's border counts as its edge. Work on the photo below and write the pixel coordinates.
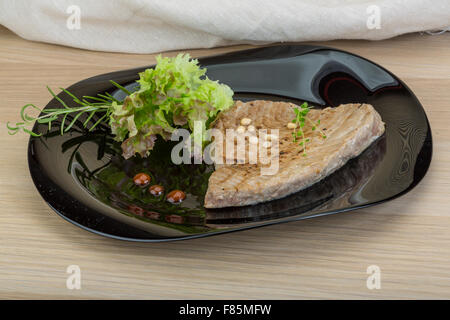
(173, 94)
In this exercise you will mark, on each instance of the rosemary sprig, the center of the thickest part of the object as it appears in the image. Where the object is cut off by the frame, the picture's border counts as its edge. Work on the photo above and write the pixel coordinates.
(87, 105)
(299, 121)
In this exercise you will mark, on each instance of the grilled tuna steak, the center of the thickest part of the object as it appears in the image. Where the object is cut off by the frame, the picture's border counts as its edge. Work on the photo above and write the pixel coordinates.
(349, 129)
(333, 192)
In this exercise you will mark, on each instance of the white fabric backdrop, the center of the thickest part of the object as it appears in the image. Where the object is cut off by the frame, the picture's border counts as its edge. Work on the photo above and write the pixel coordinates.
(146, 26)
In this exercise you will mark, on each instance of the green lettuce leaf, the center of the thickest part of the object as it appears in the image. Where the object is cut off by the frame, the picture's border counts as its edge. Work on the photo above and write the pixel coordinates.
(173, 94)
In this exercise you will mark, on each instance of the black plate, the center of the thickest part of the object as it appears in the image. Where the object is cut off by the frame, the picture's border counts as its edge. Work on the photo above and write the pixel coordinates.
(85, 180)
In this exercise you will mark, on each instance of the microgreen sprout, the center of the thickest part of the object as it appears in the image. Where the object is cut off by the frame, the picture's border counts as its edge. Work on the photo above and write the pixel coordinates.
(299, 120)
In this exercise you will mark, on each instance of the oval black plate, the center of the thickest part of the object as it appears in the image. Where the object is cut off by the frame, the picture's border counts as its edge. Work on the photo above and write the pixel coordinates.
(84, 179)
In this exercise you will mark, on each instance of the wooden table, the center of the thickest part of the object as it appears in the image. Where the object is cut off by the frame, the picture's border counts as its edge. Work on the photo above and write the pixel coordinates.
(327, 257)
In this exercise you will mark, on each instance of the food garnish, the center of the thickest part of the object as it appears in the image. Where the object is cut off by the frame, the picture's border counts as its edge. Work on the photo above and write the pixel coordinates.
(299, 122)
(174, 94)
(240, 129)
(253, 140)
(245, 121)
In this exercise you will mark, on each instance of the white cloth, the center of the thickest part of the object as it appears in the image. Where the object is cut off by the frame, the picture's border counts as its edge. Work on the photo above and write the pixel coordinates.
(147, 26)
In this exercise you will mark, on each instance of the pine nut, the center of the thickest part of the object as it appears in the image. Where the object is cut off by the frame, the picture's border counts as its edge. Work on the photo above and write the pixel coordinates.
(240, 129)
(271, 137)
(253, 140)
(246, 121)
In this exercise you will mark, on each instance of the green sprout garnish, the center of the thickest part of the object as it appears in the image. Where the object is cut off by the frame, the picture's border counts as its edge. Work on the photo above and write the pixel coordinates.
(299, 120)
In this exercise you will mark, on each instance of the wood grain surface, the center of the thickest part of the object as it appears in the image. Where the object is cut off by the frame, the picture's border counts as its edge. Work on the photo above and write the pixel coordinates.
(327, 257)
